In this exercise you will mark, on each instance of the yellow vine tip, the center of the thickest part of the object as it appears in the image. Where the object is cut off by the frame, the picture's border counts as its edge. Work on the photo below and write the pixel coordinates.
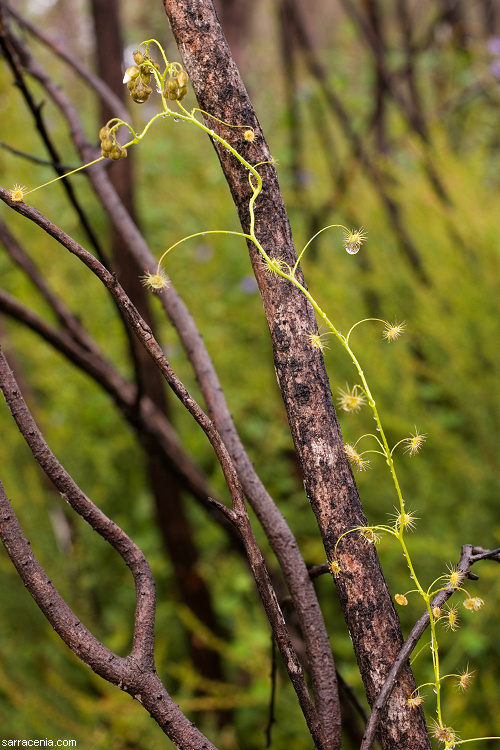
(353, 239)
(317, 340)
(17, 193)
(351, 400)
(335, 567)
(415, 700)
(464, 679)
(393, 331)
(156, 282)
(414, 442)
(473, 603)
(355, 458)
(443, 734)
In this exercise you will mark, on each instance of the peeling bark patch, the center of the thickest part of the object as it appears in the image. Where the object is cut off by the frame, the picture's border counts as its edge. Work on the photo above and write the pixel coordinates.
(281, 336)
(301, 393)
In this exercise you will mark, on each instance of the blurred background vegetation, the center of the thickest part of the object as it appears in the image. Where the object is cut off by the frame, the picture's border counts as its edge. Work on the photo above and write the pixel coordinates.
(380, 114)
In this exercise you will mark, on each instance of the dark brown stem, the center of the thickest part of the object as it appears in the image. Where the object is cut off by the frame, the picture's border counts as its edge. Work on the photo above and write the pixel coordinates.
(136, 673)
(131, 554)
(131, 674)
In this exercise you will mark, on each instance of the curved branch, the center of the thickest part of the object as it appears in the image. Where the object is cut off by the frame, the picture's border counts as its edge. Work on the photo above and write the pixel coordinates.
(469, 556)
(145, 608)
(134, 674)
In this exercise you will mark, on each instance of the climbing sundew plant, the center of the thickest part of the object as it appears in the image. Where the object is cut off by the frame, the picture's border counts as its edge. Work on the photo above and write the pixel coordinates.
(351, 399)
(169, 82)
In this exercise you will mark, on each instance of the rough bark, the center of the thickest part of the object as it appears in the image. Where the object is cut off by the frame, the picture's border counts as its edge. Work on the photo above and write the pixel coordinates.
(330, 486)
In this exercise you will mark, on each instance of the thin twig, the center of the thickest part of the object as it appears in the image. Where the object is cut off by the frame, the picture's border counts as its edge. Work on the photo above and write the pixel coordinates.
(469, 556)
(36, 160)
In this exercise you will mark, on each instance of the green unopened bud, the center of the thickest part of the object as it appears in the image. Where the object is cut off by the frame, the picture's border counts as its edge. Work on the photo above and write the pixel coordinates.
(138, 57)
(181, 93)
(182, 78)
(104, 132)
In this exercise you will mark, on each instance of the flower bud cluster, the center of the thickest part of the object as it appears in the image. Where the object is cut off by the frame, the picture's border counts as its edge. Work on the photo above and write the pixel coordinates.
(176, 86)
(138, 77)
(110, 148)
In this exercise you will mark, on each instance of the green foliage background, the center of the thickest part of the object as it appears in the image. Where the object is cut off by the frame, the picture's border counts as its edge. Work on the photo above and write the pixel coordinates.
(442, 377)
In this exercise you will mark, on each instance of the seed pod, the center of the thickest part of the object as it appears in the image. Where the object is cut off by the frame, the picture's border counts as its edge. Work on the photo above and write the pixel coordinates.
(139, 98)
(171, 85)
(139, 92)
(106, 145)
(115, 153)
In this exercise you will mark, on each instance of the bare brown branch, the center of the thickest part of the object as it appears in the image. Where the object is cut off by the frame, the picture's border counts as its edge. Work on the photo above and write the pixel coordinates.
(136, 673)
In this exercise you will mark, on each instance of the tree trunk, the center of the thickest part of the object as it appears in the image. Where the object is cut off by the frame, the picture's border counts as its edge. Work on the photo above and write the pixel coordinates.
(364, 596)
